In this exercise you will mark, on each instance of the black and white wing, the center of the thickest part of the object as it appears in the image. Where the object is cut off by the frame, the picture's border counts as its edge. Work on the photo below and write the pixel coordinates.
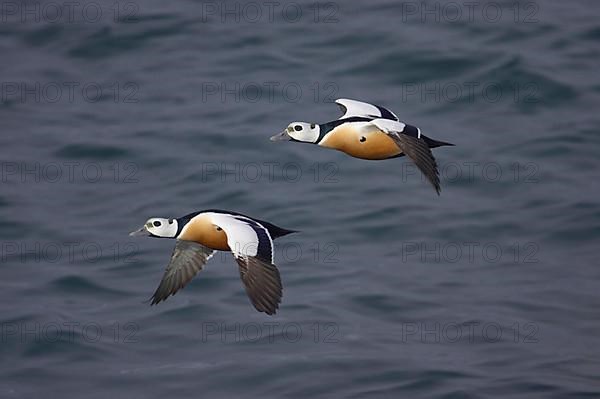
(413, 147)
(252, 248)
(187, 260)
(353, 108)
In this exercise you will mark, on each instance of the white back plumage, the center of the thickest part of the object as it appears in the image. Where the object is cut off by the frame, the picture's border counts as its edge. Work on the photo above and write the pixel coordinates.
(361, 109)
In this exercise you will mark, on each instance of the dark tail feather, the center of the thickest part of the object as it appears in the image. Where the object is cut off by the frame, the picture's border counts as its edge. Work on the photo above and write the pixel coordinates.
(434, 143)
(281, 232)
(276, 231)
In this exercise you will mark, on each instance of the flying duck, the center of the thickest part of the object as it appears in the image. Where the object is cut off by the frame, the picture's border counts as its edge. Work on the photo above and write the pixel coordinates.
(197, 237)
(372, 132)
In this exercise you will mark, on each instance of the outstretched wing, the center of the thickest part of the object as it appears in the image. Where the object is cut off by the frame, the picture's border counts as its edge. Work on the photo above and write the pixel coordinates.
(353, 108)
(414, 147)
(252, 248)
(262, 282)
(187, 260)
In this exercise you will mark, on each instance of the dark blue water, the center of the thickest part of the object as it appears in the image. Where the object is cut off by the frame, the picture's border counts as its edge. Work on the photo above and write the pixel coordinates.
(112, 113)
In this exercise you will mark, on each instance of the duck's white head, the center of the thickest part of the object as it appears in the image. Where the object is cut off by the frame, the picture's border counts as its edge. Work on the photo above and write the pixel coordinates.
(300, 131)
(157, 227)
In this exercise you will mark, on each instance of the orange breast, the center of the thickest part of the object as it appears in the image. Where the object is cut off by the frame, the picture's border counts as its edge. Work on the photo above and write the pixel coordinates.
(201, 230)
(373, 144)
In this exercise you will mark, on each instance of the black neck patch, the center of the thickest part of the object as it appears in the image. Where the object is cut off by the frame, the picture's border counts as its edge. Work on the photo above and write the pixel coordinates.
(182, 221)
(329, 126)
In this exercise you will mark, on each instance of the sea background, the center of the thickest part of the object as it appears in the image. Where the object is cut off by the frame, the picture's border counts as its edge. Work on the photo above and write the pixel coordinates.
(114, 112)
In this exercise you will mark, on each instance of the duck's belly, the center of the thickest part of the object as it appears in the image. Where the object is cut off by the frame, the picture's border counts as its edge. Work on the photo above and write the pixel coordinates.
(201, 230)
(365, 145)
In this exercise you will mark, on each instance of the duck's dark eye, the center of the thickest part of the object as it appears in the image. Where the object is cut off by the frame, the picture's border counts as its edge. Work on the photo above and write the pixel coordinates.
(297, 128)
(312, 125)
(156, 223)
(363, 139)
(170, 221)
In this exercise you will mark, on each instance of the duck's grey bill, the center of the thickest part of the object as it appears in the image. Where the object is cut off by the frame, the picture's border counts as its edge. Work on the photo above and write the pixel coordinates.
(281, 136)
(140, 232)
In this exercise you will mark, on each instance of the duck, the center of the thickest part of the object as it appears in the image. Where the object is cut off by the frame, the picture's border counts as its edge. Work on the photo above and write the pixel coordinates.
(372, 132)
(199, 235)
